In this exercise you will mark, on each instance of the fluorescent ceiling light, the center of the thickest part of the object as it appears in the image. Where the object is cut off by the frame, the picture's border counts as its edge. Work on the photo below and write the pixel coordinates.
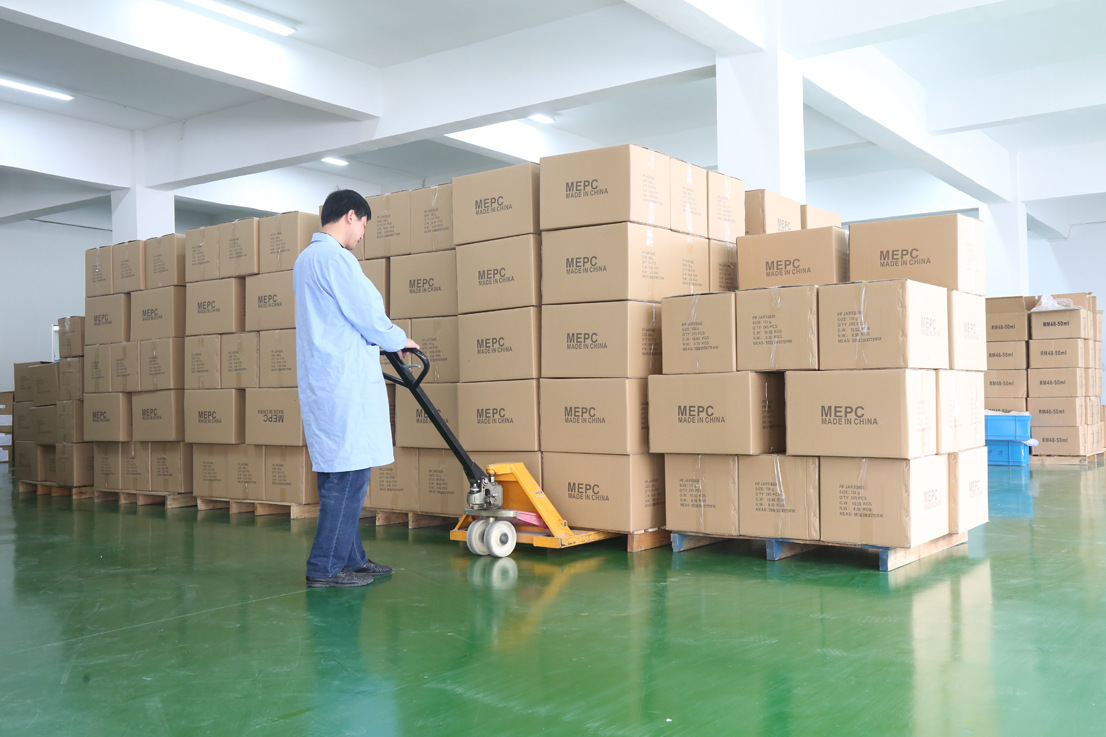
(243, 16)
(334, 162)
(34, 90)
(541, 118)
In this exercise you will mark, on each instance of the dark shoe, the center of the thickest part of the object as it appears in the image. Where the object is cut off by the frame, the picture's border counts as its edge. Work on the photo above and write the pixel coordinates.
(345, 579)
(374, 569)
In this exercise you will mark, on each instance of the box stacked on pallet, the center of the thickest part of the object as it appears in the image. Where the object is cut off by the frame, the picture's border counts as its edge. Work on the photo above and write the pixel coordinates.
(28, 457)
(7, 417)
(74, 465)
(1007, 353)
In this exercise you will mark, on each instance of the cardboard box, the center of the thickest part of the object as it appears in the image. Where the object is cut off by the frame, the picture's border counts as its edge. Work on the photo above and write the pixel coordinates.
(97, 272)
(1004, 404)
(442, 485)
(1059, 353)
(70, 337)
(883, 324)
(818, 256)
(1058, 411)
(618, 493)
(767, 212)
(28, 461)
(530, 459)
(281, 239)
(884, 502)
(438, 339)
(496, 204)
(201, 248)
(239, 366)
(725, 208)
(1063, 440)
(1011, 384)
(288, 476)
(423, 285)
(815, 217)
(499, 274)
(45, 421)
(107, 319)
(946, 250)
(238, 247)
(732, 413)
(691, 264)
(413, 427)
(203, 362)
(210, 474)
(498, 415)
(71, 421)
(594, 415)
(165, 261)
(158, 416)
(135, 465)
(97, 368)
(277, 359)
(688, 198)
(158, 313)
(128, 267)
(270, 302)
(126, 367)
(395, 487)
(1007, 326)
(607, 185)
(500, 346)
(1007, 355)
(723, 266)
(778, 497)
(214, 416)
(162, 364)
(879, 413)
(1056, 324)
(107, 417)
(23, 427)
(75, 464)
(24, 383)
(601, 340)
(273, 417)
(50, 452)
(108, 461)
(777, 329)
(246, 472)
(432, 218)
(700, 494)
(216, 307)
(960, 411)
(389, 230)
(967, 331)
(968, 500)
(697, 334)
(378, 273)
(171, 468)
(44, 383)
(1057, 382)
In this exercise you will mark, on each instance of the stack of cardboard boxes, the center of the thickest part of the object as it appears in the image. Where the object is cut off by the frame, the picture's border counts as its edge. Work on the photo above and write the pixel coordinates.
(7, 409)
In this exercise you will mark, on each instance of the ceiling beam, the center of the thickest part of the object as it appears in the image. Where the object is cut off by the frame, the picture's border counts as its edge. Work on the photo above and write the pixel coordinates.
(893, 193)
(728, 27)
(281, 190)
(32, 197)
(1062, 171)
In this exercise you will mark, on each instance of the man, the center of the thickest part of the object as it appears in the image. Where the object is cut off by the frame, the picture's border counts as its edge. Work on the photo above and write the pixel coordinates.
(341, 328)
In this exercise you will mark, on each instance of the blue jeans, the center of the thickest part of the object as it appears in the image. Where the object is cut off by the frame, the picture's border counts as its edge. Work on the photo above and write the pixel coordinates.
(337, 542)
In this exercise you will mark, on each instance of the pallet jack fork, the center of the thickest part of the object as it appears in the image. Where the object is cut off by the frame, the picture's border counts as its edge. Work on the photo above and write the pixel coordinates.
(504, 505)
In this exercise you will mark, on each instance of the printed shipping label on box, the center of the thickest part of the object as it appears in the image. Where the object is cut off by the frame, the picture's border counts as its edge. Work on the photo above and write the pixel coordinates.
(968, 499)
(967, 331)
(725, 207)
(107, 417)
(438, 338)
(700, 493)
(1007, 355)
(499, 275)
(424, 285)
(44, 383)
(107, 319)
(158, 416)
(442, 485)
(126, 367)
(273, 417)
(209, 471)
(238, 361)
(71, 421)
(960, 408)
(1063, 440)
(500, 346)
(697, 334)
(216, 307)
(75, 464)
(395, 487)
(688, 198)
(496, 204)
(777, 329)
(128, 264)
(609, 185)
(97, 272)
(1055, 324)
(201, 250)
(246, 472)
(414, 428)
(1007, 326)
(767, 212)
(162, 364)
(158, 313)
(594, 415)
(777, 496)
(601, 340)
(237, 247)
(97, 369)
(215, 416)
(171, 467)
(270, 302)
(277, 359)
(1059, 353)
(498, 415)
(281, 239)
(1012, 384)
(618, 493)
(202, 359)
(723, 266)
(108, 461)
(801, 257)
(432, 218)
(71, 336)
(165, 261)
(389, 230)
(288, 476)
(1059, 382)
(1056, 411)
(135, 466)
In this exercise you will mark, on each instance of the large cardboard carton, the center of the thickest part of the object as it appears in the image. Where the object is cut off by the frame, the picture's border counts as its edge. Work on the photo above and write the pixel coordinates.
(884, 502)
(215, 307)
(1058, 411)
(158, 313)
(697, 334)
(202, 362)
(968, 502)
(395, 487)
(273, 417)
(423, 285)
(1063, 440)
(238, 361)
(108, 460)
(778, 497)
(692, 263)
(135, 465)
(1057, 324)
(378, 272)
(432, 218)
(688, 198)
(1004, 404)
(767, 212)
(210, 475)
(499, 274)
(883, 324)
(960, 411)
(500, 346)
(270, 302)
(618, 493)
(438, 338)
(288, 476)
(201, 248)
(608, 185)
(23, 427)
(1007, 326)
(1011, 384)
(498, 415)
(44, 383)
(389, 229)
(165, 261)
(162, 364)
(24, 383)
(777, 329)
(128, 267)
(967, 331)
(214, 416)
(97, 368)
(28, 461)
(725, 207)
(126, 367)
(97, 272)
(277, 359)
(107, 417)
(45, 421)
(158, 416)
(414, 428)
(595, 415)
(608, 339)
(1059, 353)
(1057, 382)
(723, 266)
(442, 485)
(880, 413)
(171, 467)
(731, 413)
(70, 379)
(818, 256)
(700, 494)
(816, 217)
(1007, 355)
(71, 336)
(946, 250)
(71, 421)
(107, 319)
(75, 464)
(496, 204)
(281, 239)
(246, 471)
(237, 245)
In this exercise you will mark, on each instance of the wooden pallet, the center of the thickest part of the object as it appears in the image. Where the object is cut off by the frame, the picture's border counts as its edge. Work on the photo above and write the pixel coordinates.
(777, 549)
(264, 509)
(414, 520)
(170, 500)
(45, 488)
(1091, 459)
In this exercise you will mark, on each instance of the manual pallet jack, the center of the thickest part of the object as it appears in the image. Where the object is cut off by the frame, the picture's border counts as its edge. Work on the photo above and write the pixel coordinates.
(504, 505)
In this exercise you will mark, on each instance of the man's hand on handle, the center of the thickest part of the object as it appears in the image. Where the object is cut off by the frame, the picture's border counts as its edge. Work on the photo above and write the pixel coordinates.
(403, 353)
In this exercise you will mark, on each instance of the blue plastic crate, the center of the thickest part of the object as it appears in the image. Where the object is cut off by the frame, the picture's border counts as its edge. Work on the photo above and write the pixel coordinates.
(1007, 453)
(1006, 427)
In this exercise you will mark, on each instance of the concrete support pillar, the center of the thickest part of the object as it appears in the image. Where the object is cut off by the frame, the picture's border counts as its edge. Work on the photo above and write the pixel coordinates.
(1007, 248)
(139, 213)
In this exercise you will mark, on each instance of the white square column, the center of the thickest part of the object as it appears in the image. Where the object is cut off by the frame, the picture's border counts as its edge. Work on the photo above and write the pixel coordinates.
(1007, 241)
(139, 213)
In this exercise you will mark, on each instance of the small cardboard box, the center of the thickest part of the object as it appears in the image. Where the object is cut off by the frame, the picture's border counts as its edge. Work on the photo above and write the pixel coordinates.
(1057, 411)
(967, 331)
(75, 464)
(499, 275)
(158, 313)
(202, 362)
(500, 346)
(816, 217)
(270, 302)
(609, 185)
(378, 273)
(97, 272)
(29, 461)
(107, 319)
(688, 198)
(246, 471)
(158, 416)
(767, 212)
(209, 471)
(395, 487)
(214, 416)
(1007, 355)
(1059, 353)
(1063, 440)
(1057, 382)
(777, 329)
(273, 417)
(97, 369)
(288, 476)
(884, 502)
(723, 266)
(71, 421)
(496, 204)
(601, 340)
(71, 337)
(800, 257)
(237, 247)
(968, 498)
(946, 250)
(725, 207)
(1004, 404)
(498, 415)
(162, 364)
(215, 307)
(895, 323)
(389, 230)
(595, 415)
(960, 411)
(442, 485)
(1056, 324)
(1007, 326)
(697, 334)
(44, 383)
(239, 366)
(777, 496)
(1012, 384)
(413, 426)
(126, 367)
(277, 359)
(107, 417)
(171, 467)
(731, 413)
(432, 218)
(880, 413)
(700, 494)
(618, 493)
(281, 239)
(438, 339)
(423, 285)
(201, 251)
(128, 267)
(165, 261)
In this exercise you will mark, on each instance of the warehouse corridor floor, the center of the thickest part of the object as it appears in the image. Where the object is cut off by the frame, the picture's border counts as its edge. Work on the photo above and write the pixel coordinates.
(141, 621)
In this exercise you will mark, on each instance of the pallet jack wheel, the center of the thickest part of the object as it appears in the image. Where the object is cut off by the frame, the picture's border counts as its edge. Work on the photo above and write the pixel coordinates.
(500, 538)
(474, 536)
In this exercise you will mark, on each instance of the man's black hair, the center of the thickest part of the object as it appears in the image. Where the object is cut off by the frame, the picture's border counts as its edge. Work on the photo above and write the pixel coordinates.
(341, 201)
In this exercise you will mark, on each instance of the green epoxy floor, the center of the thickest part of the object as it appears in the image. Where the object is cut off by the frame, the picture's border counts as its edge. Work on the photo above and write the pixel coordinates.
(141, 621)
